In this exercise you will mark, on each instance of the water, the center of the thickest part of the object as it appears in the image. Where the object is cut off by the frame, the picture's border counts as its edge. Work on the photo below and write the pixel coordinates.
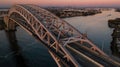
(97, 28)
(19, 49)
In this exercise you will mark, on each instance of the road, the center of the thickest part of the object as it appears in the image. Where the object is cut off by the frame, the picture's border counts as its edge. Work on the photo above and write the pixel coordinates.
(94, 59)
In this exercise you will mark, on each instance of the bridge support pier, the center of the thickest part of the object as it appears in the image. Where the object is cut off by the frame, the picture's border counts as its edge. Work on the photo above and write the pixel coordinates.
(10, 25)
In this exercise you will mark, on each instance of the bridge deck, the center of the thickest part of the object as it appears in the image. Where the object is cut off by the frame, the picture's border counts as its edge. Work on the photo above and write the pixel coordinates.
(97, 58)
(68, 44)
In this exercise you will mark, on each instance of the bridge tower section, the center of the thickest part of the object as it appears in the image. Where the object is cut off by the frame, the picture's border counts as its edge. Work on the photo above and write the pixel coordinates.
(10, 24)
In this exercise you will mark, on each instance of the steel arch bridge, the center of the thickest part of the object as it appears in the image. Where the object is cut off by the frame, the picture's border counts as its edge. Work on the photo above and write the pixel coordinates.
(57, 34)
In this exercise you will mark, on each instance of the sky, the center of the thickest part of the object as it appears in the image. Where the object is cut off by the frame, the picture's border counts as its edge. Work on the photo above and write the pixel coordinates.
(80, 3)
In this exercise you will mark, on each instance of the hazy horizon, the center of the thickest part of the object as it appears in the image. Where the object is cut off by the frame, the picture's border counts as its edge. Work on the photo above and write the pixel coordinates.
(62, 3)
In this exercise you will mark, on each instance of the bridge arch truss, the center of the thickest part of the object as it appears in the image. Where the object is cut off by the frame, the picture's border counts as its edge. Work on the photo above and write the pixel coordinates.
(53, 31)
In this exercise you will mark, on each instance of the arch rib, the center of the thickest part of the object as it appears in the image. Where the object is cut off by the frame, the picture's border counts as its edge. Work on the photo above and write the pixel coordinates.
(53, 31)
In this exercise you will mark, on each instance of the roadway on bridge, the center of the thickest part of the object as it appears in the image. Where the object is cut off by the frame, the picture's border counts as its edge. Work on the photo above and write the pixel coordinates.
(78, 47)
(67, 48)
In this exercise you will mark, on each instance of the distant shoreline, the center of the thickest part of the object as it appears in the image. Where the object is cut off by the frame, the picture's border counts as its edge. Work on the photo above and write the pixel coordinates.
(73, 12)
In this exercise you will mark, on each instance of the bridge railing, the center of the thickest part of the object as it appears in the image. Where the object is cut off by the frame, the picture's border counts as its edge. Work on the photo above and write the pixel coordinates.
(53, 31)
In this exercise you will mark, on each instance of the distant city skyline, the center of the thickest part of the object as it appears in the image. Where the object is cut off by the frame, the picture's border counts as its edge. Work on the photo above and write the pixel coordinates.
(78, 3)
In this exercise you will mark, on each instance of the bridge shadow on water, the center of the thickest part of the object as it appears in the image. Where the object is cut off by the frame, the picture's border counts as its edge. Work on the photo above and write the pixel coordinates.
(19, 59)
(55, 34)
(28, 55)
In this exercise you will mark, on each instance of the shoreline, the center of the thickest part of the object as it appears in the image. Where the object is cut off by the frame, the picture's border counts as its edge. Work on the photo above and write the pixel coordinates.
(115, 43)
(73, 12)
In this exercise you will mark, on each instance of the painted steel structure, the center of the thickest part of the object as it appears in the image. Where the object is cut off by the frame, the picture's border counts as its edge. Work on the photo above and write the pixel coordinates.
(56, 33)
